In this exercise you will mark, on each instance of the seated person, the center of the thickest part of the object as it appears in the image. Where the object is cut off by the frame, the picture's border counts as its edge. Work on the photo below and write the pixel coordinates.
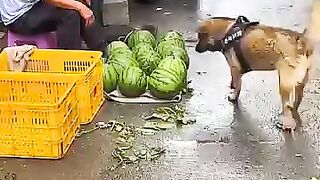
(73, 21)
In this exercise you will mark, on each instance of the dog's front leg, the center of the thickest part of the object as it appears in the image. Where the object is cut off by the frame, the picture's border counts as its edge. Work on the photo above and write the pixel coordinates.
(235, 85)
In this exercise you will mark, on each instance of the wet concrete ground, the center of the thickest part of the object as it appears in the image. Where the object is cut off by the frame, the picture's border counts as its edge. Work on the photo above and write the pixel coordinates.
(225, 142)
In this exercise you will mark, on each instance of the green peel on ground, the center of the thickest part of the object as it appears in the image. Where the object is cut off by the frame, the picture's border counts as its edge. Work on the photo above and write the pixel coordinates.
(175, 114)
(126, 150)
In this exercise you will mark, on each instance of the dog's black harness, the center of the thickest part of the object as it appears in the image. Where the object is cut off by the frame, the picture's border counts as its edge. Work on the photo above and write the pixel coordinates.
(232, 39)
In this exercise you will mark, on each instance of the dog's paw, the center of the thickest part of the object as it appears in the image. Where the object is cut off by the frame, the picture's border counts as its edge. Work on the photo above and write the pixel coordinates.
(287, 123)
(233, 97)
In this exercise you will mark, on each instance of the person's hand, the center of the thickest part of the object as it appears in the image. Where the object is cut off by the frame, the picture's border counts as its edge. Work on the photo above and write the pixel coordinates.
(86, 14)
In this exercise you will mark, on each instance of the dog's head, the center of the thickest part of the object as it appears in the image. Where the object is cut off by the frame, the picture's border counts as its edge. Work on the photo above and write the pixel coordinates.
(210, 32)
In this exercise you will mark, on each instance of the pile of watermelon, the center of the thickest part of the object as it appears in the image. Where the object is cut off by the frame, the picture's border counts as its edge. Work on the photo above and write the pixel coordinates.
(143, 63)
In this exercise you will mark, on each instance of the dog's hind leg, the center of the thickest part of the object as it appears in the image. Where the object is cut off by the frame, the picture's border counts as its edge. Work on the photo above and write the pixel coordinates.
(287, 93)
(288, 121)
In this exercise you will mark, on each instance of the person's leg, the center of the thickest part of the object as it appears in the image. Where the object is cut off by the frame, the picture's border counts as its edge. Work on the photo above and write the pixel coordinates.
(96, 7)
(70, 27)
(68, 30)
(40, 18)
(44, 18)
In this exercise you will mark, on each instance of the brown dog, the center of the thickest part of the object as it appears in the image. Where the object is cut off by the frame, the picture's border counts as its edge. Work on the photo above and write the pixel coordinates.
(249, 46)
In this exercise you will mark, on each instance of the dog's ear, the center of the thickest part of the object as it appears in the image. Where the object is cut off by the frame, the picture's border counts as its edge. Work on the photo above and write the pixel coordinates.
(214, 27)
(203, 26)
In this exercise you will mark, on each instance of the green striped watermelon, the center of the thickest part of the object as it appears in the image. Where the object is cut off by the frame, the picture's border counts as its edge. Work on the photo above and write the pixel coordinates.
(141, 36)
(174, 65)
(166, 49)
(168, 79)
(116, 45)
(122, 61)
(176, 42)
(174, 38)
(142, 49)
(172, 35)
(123, 52)
(110, 78)
(132, 82)
(163, 84)
(148, 61)
(166, 45)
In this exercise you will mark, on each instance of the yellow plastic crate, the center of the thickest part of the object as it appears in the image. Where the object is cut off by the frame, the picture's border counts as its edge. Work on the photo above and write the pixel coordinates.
(38, 114)
(85, 66)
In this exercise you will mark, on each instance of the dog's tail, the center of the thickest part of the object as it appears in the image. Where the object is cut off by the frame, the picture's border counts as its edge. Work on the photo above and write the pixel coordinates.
(312, 30)
(312, 35)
